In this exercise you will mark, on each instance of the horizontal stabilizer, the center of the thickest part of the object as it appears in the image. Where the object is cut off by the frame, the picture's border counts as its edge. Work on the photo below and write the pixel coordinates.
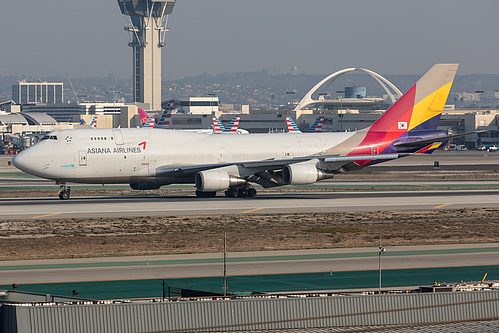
(363, 157)
(436, 139)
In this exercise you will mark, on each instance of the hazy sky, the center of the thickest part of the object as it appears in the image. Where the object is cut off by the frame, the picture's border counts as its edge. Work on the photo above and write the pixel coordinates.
(86, 38)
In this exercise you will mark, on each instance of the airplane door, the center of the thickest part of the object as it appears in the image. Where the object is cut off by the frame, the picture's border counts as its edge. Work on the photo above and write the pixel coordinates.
(220, 157)
(118, 138)
(83, 158)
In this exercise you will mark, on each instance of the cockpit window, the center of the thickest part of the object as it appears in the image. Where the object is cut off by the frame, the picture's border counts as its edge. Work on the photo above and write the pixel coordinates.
(49, 137)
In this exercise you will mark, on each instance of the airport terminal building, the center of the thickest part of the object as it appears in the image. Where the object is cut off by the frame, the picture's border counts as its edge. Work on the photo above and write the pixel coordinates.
(350, 112)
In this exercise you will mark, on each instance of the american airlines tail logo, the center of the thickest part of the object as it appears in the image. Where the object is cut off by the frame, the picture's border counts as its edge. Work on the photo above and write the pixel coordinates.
(143, 144)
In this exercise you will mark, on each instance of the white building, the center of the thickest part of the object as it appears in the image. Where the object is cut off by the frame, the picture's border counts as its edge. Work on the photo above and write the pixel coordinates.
(200, 105)
(37, 92)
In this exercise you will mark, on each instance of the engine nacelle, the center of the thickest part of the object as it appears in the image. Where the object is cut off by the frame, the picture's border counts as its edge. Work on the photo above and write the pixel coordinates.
(144, 186)
(303, 174)
(216, 180)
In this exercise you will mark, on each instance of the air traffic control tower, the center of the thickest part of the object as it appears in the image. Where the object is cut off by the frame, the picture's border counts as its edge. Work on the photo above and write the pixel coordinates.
(148, 24)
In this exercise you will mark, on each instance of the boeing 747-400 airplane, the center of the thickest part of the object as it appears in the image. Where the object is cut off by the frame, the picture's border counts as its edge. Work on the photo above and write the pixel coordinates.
(148, 158)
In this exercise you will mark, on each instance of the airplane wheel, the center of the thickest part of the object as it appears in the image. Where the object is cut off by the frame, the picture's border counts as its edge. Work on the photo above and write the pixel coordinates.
(231, 193)
(64, 195)
(251, 192)
(242, 192)
(201, 194)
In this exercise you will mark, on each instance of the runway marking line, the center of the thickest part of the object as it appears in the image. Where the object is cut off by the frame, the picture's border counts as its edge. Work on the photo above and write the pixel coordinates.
(252, 210)
(37, 217)
(442, 206)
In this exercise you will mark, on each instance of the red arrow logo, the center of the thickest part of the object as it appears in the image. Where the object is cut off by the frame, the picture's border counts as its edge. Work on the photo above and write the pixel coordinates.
(143, 144)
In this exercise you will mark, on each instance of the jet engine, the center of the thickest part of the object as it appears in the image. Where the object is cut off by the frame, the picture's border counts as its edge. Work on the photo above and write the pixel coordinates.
(303, 173)
(216, 180)
(144, 186)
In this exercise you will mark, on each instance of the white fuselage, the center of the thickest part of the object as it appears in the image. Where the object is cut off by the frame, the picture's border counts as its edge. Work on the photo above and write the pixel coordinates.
(117, 155)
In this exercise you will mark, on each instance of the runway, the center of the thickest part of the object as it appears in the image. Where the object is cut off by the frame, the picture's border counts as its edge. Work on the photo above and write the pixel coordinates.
(246, 264)
(306, 202)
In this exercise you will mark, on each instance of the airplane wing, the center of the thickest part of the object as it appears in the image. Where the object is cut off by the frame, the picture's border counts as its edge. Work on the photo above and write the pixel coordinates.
(268, 172)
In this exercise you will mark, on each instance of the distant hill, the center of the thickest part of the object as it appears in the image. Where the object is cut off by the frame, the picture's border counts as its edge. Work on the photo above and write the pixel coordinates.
(259, 89)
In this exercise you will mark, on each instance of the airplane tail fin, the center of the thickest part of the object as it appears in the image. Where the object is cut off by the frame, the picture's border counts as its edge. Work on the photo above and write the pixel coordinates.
(143, 115)
(83, 122)
(233, 125)
(317, 126)
(419, 109)
(150, 122)
(166, 116)
(217, 126)
(292, 128)
(93, 123)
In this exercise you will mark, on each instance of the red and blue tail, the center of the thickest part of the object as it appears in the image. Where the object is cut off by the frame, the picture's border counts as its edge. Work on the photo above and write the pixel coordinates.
(93, 123)
(150, 122)
(233, 125)
(217, 125)
(292, 128)
(166, 116)
(317, 126)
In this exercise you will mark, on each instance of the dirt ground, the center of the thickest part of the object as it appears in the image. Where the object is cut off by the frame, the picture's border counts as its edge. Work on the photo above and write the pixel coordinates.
(71, 238)
(45, 239)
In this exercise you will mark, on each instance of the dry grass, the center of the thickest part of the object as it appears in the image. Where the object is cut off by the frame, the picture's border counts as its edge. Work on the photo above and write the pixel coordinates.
(167, 235)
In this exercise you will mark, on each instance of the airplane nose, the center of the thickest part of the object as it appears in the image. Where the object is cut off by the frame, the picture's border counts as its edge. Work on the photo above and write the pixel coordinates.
(18, 161)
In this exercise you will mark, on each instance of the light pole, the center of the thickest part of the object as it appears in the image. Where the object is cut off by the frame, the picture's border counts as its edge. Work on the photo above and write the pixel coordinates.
(225, 264)
(381, 252)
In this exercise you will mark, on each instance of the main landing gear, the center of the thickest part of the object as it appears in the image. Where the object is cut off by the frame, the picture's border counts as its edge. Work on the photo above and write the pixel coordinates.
(201, 194)
(246, 191)
(241, 192)
(64, 192)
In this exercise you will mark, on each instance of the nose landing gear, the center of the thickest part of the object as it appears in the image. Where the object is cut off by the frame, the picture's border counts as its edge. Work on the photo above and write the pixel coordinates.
(64, 192)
